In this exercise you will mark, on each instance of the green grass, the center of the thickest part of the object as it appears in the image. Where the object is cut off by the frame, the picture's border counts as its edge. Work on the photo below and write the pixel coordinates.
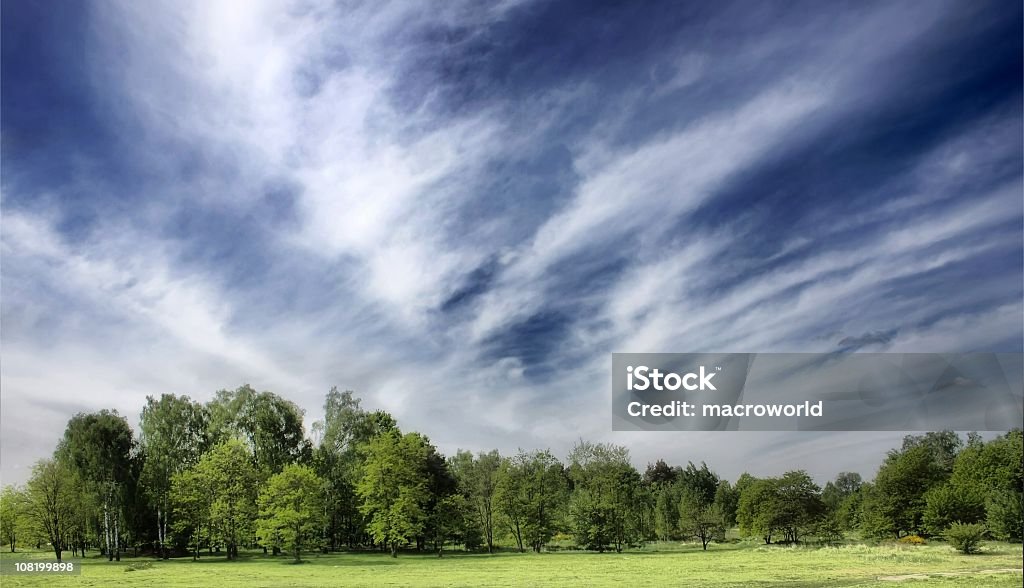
(738, 564)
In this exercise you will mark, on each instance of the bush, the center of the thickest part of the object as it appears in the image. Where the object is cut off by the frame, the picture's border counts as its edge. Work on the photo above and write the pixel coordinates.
(913, 540)
(965, 537)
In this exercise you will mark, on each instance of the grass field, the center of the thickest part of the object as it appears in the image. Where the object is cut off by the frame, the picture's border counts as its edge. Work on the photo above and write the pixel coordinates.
(741, 564)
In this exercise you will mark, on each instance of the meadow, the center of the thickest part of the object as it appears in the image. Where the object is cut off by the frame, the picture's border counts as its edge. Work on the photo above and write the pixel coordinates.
(659, 564)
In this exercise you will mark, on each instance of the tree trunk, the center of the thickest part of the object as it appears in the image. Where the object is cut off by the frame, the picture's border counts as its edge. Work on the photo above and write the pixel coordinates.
(117, 537)
(56, 551)
(159, 533)
(394, 549)
(106, 532)
(489, 523)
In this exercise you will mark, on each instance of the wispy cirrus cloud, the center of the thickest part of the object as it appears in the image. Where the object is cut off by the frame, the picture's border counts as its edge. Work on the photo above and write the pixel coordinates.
(460, 211)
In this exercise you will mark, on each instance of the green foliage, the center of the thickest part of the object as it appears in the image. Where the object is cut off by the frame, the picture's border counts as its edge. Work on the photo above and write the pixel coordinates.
(834, 494)
(659, 473)
(991, 466)
(701, 482)
(393, 488)
(789, 506)
(223, 487)
(829, 529)
(270, 426)
(848, 513)
(606, 506)
(13, 516)
(666, 511)
(100, 449)
(190, 502)
(478, 480)
(995, 471)
(1004, 514)
(700, 519)
(174, 437)
(338, 461)
(947, 503)
(965, 537)
(52, 502)
(531, 490)
(894, 505)
(727, 500)
(942, 447)
(440, 485)
(291, 509)
(452, 520)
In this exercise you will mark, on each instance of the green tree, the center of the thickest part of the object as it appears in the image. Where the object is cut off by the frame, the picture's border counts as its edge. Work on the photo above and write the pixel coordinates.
(845, 485)
(13, 511)
(948, 503)
(800, 504)
(100, 448)
(478, 479)
(943, 446)
(291, 509)
(993, 473)
(727, 500)
(338, 461)
(895, 504)
(660, 473)
(227, 474)
(450, 521)
(52, 492)
(667, 497)
(700, 519)
(604, 505)
(441, 484)
(789, 506)
(531, 493)
(270, 426)
(699, 481)
(848, 513)
(191, 501)
(393, 488)
(755, 511)
(173, 437)
(1005, 515)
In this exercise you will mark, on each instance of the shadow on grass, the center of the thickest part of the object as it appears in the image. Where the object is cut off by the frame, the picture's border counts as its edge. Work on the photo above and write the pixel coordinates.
(331, 560)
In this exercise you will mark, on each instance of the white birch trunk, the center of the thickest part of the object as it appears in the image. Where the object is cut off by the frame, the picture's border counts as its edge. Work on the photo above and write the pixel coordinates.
(106, 531)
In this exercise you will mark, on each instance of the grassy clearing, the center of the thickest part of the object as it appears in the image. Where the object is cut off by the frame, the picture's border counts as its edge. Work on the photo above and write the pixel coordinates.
(742, 564)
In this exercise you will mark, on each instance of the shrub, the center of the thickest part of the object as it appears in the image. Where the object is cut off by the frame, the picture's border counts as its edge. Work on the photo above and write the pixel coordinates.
(965, 537)
(913, 540)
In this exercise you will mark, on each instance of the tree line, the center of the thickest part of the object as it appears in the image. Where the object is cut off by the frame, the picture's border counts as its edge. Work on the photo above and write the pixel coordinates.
(240, 472)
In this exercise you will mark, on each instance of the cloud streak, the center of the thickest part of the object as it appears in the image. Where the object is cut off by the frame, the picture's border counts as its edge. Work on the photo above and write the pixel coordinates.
(461, 212)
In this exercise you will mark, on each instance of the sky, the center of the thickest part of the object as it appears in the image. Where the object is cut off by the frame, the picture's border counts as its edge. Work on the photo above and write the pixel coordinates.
(459, 210)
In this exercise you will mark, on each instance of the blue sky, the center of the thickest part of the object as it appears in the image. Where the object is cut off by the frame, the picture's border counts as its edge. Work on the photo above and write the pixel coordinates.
(460, 210)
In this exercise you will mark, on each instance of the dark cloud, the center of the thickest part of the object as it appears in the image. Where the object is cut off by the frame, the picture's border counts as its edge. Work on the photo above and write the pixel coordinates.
(472, 205)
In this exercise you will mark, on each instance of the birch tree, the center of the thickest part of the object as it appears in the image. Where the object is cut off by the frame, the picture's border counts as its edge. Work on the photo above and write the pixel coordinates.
(173, 437)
